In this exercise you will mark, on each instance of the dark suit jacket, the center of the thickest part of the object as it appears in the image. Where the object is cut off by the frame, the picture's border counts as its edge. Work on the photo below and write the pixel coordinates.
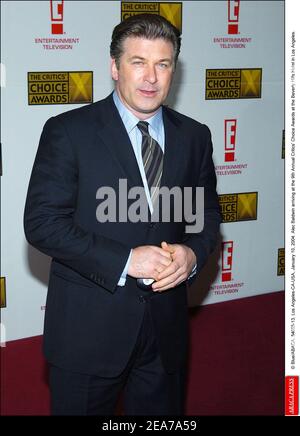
(91, 323)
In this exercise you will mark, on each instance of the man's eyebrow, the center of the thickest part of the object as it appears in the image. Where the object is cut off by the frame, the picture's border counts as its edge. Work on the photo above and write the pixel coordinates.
(143, 59)
(165, 60)
(136, 57)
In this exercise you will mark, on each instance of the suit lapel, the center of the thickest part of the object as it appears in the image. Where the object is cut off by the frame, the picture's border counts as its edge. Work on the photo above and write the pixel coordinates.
(174, 150)
(114, 136)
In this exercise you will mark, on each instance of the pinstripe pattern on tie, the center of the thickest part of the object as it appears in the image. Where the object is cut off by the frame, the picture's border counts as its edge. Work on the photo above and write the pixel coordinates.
(152, 159)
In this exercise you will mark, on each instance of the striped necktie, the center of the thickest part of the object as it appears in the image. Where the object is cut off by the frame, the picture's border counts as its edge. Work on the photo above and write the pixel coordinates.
(152, 159)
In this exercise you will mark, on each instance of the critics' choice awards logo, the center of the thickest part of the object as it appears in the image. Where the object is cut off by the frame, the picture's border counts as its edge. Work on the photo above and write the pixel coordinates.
(230, 168)
(280, 262)
(233, 83)
(170, 11)
(55, 18)
(233, 39)
(238, 207)
(2, 292)
(60, 87)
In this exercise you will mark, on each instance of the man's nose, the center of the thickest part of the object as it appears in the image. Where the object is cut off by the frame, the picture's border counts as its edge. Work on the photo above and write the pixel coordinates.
(150, 74)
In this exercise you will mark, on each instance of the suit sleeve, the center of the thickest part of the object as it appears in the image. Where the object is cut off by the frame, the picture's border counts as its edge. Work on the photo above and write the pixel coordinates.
(49, 211)
(204, 242)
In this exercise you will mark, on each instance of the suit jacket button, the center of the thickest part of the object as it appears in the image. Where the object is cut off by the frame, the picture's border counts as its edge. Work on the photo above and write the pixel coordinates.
(142, 298)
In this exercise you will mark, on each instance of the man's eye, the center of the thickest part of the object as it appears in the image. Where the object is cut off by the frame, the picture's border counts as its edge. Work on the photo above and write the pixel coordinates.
(163, 65)
(138, 63)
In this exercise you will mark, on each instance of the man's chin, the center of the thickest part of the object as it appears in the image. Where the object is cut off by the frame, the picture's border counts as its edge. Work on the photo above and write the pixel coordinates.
(147, 106)
(147, 109)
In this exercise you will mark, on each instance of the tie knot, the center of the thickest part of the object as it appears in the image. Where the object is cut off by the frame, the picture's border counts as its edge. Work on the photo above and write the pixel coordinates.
(143, 127)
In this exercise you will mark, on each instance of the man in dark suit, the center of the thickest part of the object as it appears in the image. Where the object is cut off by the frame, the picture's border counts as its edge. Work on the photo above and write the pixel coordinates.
(106, 327)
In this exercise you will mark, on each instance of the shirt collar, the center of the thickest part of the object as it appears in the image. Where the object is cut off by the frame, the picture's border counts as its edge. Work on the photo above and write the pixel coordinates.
(130, 121)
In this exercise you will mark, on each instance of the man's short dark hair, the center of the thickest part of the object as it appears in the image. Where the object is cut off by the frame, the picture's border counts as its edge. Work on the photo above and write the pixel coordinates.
(148, 26)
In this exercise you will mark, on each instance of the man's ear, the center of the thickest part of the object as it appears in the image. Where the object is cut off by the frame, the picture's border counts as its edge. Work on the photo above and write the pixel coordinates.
(114, 69)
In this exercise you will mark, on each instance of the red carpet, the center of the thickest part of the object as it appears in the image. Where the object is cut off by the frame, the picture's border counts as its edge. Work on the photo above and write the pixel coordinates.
(236, 362)
(237, 357)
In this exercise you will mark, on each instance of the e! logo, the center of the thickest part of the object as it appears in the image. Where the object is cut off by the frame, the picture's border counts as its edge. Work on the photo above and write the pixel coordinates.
(227, 252)
(57, 15)
(233, 16)
(230, 139)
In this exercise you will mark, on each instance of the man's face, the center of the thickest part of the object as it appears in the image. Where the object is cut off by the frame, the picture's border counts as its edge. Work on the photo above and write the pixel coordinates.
(144, 75)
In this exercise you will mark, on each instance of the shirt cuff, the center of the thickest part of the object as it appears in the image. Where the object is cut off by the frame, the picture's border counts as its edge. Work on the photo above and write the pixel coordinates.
(193, 272)
(122, 280)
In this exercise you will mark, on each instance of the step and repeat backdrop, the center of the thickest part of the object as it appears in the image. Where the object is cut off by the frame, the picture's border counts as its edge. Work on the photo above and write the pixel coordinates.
(55, 57)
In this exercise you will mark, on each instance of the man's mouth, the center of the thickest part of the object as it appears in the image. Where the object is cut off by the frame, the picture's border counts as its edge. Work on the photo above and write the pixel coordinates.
(148, 93)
